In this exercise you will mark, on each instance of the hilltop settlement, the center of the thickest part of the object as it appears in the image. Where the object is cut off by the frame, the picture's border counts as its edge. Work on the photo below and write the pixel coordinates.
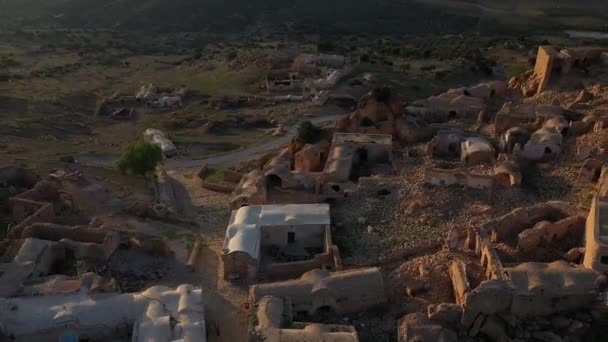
(476, 214)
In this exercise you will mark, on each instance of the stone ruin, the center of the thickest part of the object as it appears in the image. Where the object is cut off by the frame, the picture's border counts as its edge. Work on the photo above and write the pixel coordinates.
(460, 103)
(380, 112)
(526, 134)
(124, 107)
(554, 67)
(317, 293)
(278, 241)
(48, 249)
(533, 287)
(596, 245)
(315, 173)
(157, 314)
(40, 257)
(310, 77)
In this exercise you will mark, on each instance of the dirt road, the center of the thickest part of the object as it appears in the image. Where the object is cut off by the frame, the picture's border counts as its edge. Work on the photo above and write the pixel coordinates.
(227, 159)
(252, 151)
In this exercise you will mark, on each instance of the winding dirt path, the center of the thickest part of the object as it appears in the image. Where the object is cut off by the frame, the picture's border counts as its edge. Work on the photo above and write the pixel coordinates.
(229, 158)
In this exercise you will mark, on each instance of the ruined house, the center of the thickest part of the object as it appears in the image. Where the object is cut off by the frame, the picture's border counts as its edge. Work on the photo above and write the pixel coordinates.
(525, 277)
(318, 291)
(457, 103)
(546, 288)
(311, 158)
(553, 66)
(551, 284)
(508, 173)
(446, 144)
(476, 150)
(152, 95)
(309, 74)
(544, 144)
(157, 137)
(278, 241)
(289, 177)
(284, 80)
(459, 178)
(275, 323)
(525, 115)
(512, 137)
(379, 112)
(596, 230)
(357, 155)
(446, 107)
(535, 227)
(156, 314)
(34, 205)
(65, 284)
(47, 248)
(315, 173)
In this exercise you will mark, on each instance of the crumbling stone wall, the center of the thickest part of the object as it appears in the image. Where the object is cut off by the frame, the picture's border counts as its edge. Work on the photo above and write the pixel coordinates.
(545, 232)
(86, 243)
(544, 66)
(460, 283)
(32, 206)
(239, 265)
(439, 177)
(329, 260)
(520, 219)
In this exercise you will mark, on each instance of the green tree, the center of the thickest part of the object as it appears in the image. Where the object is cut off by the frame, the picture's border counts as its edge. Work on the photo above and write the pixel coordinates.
(309, 133)
(139, 158)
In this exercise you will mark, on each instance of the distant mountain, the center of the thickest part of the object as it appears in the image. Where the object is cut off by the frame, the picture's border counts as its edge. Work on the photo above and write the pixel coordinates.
(441, 16)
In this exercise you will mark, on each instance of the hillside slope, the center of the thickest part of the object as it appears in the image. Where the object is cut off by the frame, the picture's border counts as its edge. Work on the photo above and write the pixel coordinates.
(407, 16)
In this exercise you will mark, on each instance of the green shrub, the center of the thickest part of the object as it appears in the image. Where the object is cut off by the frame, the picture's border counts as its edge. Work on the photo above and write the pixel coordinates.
(309, 133)
(139, 158)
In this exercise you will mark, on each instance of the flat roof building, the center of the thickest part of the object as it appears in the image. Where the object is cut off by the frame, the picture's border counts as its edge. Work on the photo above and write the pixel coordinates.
(278, 240)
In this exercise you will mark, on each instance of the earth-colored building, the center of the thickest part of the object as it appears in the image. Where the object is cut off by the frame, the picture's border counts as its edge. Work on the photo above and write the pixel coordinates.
(278, 241)
(318, 290)
(156, 314)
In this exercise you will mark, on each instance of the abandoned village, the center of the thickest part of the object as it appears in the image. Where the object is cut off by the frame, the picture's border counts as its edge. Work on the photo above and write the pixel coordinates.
(295, 242)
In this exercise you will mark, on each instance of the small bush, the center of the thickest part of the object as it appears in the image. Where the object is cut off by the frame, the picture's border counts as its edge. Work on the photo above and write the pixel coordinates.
(309, 133)
(139, 158)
